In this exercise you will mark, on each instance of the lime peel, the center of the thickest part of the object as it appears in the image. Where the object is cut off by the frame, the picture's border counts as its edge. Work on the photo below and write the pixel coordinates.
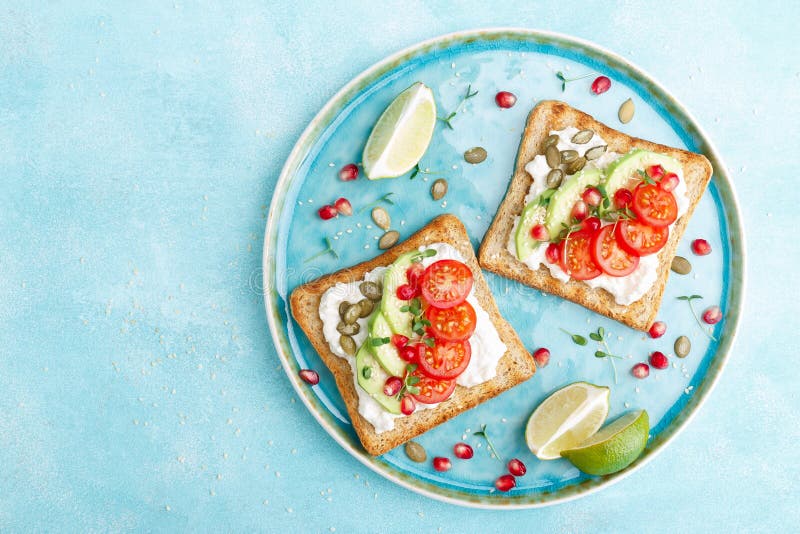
(614, 447)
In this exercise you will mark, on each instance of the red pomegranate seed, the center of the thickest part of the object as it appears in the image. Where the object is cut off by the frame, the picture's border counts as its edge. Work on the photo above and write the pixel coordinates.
(658, 360)
(600, 85)
(539, 233)
(310, 376)
(399, 340)
(658, 329)
(409, 353)
(592, 196)
(406, 292)
(505, 99)
(640, 370)
(407, 405)
(701, 247)
(440, 463)
(541, 357)
(669, 182)
(516, 467)
(580, 211)
(712, 315)
(552, 253)
(505, 483)
(592, 224)
(327, 212)
(348, 173)
(414, 273)
(392, 386)
(463, 451)
(655, 172)
(343, 206)
(623, 197)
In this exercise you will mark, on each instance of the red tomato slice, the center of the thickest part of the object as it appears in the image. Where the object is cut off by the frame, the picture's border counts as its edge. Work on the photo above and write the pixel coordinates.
(576, 257)
(640, 239)
(613, 259)
(446, 359)
(446, 283)
(452, 324)
(654, 206)
(433, 390)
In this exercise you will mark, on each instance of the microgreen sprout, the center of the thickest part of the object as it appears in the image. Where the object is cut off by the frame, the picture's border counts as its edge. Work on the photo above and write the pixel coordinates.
(564, 80)
(576, 338)
(689, 299)
(600, 337)
(385, 198)
(484, 435)
(469, 94)
(328, 250)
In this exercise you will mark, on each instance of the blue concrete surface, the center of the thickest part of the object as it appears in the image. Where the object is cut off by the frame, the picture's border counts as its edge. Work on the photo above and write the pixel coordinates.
(139, 145)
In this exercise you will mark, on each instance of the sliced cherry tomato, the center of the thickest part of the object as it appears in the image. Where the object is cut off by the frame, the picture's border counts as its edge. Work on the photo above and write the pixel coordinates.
(433, 390)
(454, 323)
(576, 258)
(641, 239)
(609, 256)
(446, 359)
(654, 206)
(446, 283)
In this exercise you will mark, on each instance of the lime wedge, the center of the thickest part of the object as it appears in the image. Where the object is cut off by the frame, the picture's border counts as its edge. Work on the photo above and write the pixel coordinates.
(566, 418)
(614, 447)
(401, 135)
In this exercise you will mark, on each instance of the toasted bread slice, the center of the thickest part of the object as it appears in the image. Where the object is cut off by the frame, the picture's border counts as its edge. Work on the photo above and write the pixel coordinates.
(494, 256)
(515, 366)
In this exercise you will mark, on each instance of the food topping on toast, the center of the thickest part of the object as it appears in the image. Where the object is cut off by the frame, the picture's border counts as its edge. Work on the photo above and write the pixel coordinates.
(411, 331)
(596, 216)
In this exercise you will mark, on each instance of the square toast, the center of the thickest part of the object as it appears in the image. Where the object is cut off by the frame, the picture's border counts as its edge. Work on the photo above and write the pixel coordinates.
(494, 256)
(514, 367)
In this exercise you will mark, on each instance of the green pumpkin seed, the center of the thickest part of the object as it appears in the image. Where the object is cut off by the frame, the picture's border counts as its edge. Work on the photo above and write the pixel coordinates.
(568, 156)
(582, 137)
(551, 140)
(553, 157)
(475, 155)
(381, 218)
(348, 344)
(554, 178)
(415, 452)
(595, 152)
(371, 290)
(576, 165)
(682, 347)
(388, 239)
(439, 189)
(626, 111)
(681, 265)
(352, 314)
(365, 307)
(348, 329)
(343, 306)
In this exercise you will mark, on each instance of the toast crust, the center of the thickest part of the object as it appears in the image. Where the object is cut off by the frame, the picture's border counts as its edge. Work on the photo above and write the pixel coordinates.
(494, 256)
(514, 367)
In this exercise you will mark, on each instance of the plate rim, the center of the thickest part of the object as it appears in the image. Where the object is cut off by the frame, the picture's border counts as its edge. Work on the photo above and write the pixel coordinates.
(737, 251)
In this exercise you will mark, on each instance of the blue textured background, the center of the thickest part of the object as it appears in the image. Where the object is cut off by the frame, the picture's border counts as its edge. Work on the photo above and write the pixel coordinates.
(139, 146)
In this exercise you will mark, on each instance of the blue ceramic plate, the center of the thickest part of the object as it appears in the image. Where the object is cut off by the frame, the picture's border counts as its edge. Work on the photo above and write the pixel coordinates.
(524, 62)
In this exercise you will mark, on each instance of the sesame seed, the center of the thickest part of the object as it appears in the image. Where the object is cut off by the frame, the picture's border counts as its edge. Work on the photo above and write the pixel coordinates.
(331, 164)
